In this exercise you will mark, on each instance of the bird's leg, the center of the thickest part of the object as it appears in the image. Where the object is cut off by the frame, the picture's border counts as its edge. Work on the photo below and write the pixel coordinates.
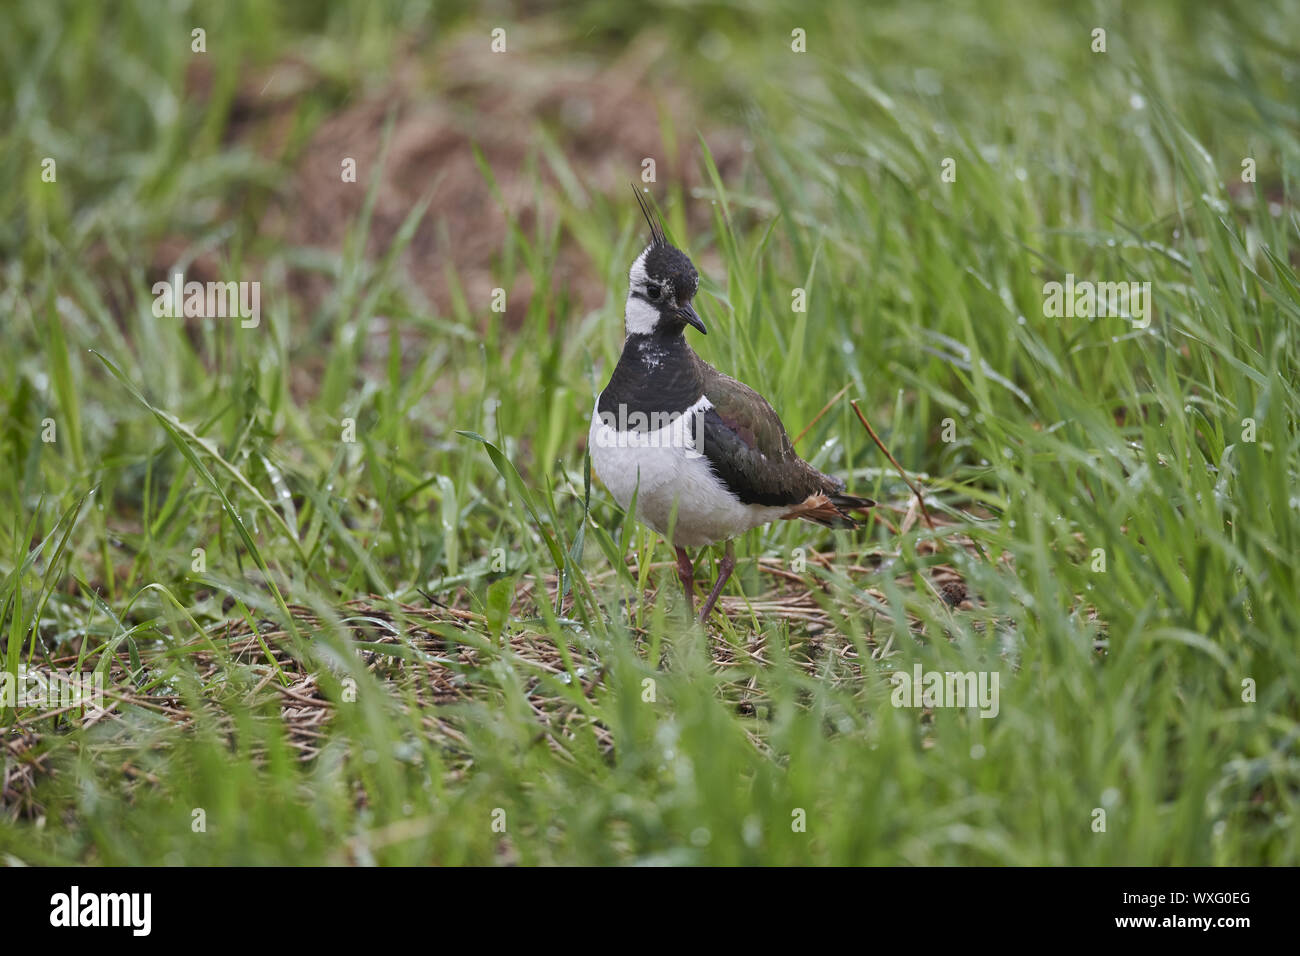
(686, 574)
(725, 567)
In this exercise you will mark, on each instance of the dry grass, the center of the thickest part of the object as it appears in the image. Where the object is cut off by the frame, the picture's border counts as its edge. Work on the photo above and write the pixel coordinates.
(433, 669)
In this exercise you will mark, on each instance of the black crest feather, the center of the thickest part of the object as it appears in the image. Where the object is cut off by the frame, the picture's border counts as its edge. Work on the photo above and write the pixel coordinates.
(665, 261)
(657, 236)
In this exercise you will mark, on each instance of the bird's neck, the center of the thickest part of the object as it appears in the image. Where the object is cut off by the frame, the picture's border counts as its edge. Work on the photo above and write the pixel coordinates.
(655, 348)
(655, 373)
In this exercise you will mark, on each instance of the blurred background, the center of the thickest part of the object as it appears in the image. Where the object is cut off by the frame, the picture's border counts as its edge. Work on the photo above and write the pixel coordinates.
(201, 478)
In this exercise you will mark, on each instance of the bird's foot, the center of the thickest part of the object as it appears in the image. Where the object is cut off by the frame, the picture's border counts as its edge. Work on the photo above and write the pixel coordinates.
(686, 574)
(725, 567)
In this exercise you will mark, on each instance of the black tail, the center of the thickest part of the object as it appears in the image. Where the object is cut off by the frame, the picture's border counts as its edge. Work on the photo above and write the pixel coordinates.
(845, 504)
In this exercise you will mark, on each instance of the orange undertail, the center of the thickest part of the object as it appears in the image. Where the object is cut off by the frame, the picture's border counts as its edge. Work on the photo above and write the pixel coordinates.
(831, 511)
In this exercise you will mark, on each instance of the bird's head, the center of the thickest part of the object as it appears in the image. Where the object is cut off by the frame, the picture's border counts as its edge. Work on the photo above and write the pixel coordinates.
(661, 285)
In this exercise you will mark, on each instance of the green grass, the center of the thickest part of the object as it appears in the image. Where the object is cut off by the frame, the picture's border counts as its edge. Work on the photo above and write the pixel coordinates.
(459, 713)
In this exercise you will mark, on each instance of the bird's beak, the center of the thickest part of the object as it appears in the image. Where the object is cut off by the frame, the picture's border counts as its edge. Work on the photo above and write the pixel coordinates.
(692, 318)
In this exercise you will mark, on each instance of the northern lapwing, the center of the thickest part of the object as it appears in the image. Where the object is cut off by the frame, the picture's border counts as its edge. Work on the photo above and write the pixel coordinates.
(705, 455)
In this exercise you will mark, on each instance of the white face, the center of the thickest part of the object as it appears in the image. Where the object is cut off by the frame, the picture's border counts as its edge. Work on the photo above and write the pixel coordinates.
(640, 317)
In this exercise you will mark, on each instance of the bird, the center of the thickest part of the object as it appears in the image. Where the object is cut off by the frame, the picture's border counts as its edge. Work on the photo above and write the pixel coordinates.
(704, 455)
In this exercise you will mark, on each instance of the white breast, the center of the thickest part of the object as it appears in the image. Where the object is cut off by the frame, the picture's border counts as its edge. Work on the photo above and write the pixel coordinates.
(672, 473)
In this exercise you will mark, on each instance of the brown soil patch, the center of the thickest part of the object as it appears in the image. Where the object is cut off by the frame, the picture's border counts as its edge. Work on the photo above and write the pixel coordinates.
(604, 117)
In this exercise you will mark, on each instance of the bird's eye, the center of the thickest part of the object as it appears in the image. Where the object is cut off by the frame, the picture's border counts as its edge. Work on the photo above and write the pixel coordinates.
(652, 292)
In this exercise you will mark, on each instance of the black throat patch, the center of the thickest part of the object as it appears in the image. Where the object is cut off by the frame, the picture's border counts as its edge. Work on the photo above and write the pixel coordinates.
(656, 375)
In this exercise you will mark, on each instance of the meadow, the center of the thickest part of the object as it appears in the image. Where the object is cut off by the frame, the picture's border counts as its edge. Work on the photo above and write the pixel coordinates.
(341, 568)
